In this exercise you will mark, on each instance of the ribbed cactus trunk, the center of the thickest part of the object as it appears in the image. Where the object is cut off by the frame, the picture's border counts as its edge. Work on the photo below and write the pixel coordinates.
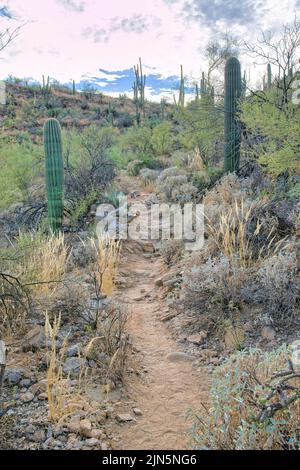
(233, 91)
(54, 171)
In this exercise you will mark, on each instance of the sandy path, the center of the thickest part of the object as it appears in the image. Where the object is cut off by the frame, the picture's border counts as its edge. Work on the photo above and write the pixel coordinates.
(169, 388)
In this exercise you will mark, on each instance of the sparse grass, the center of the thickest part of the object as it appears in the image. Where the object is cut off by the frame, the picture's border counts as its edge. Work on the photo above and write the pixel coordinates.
(107, 252)
(232, 239)
(44, 260)
(62, 400)
(113, 341)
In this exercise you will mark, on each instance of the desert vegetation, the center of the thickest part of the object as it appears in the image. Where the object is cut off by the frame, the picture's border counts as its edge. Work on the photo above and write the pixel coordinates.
(85, 316)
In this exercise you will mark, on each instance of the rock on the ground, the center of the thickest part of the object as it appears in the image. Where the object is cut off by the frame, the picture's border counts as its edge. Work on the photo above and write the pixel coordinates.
(13, 375)
(73, 365)
(26, 397)
(197, 338)
(268, 333)
(124, 417)
(137, 412)
(74, 350)
(34, 339)
(85, 427)
(179, 357)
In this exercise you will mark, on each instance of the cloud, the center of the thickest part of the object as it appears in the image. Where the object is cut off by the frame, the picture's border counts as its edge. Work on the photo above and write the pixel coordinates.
(73, 5)
(241, 12)
(4, 12)
(137, 24)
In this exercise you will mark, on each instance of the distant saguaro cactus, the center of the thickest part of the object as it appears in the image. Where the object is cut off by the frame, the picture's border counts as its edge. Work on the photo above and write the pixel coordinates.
(233, 91)
(54, 173)
(269, 76)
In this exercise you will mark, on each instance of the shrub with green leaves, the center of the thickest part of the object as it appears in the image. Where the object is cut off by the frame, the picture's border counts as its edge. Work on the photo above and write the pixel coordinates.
(274, 134)
(255, 405)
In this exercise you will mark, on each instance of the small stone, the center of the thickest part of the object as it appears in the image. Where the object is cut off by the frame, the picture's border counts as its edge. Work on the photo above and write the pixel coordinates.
(92, 442)
(13, 375)
(39, 436)
(104, 446)
(124, 417)
(96, 433)
(42, 396)
(73, 365)
(73, 350)
(39, 387)
(85, 427)
(25, 383)
(74, 424)
(26, 397)
(34, 339)
(197, 338)
(268, 333)
(137, 412)
(179, 357)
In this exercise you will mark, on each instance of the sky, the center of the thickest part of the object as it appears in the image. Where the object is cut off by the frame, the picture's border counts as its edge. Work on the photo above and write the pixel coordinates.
(99, 41)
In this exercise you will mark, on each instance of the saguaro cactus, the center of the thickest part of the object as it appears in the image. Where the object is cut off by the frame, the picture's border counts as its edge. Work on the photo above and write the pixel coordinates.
(54, 173)
(233, 91)
(269, 70)
(139, 91)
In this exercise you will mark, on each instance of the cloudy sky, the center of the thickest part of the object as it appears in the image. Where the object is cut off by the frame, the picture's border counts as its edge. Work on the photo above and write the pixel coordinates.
(100, 40)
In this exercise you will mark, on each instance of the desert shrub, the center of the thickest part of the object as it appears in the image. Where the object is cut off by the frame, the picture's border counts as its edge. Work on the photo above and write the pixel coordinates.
(184, 193)
(161, 138)
(213, 287)
(138, 141)
(14, 304)
(134, 167)
(82, 207)
(20, 169)
(171, 251)
(207, 177)
(149, 175)
(170, 184)
(254, 405)
(278, 289)
(93, 168)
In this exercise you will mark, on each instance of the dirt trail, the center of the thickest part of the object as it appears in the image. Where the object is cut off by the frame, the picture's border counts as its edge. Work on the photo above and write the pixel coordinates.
(171, 386)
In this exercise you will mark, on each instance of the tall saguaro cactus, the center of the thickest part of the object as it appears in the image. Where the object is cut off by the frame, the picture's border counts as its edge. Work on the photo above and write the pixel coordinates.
(233, 91)
(54, 170)
(139, 91)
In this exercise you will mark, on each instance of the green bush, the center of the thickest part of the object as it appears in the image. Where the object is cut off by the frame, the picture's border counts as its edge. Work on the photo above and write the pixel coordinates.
(21, 165)
(161, 138)
(252, 405)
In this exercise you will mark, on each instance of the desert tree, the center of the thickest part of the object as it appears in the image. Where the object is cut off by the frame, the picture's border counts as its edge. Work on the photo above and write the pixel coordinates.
(281, 52)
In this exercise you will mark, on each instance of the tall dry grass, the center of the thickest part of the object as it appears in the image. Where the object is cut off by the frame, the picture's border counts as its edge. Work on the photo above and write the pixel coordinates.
(232, 239)
(44, 260)
(107, 253)
(62, 400)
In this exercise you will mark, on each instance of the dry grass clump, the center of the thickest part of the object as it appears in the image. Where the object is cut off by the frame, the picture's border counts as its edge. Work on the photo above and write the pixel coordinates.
(62, 400)
(110, 348)
(43, 261)
(255, 404)
(107, 253)
(232, 237)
